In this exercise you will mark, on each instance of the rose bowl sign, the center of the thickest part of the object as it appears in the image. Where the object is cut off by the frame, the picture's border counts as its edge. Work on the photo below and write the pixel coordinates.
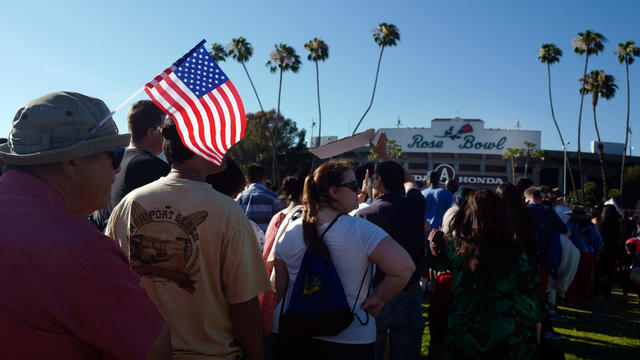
(460, 136)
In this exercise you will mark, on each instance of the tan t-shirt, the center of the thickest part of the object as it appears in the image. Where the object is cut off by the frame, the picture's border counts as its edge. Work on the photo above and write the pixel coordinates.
(195, 252)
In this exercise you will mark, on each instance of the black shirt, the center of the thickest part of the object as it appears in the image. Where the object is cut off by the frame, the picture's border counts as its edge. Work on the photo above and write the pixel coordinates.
(138, 168)
(402, 217)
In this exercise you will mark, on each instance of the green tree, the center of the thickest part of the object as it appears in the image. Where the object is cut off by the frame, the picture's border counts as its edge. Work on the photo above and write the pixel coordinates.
(241, 51)
(626, 52)
(599, 85)
(587, 43)
(551, 54)
(526, 154)
(218, 52)
(318, 51)
(512, 154)
(282, 59)
(256, 145)
(384, 35)
(632, 184)
(539, 156)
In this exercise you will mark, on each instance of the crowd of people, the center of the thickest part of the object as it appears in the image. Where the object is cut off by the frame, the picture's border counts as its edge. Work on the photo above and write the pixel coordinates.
(109, 251)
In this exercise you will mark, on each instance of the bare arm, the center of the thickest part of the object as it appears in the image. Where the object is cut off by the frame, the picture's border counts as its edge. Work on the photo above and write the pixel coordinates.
(161, 348)
(381, 150)
(398, 267)
(247, 321)
(282, 276)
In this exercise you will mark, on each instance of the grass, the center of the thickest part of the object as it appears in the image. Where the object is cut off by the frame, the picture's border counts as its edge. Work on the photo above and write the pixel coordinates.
(603, 330)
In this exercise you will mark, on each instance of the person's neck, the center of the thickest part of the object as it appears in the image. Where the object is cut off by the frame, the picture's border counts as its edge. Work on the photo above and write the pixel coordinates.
(327, 214)
(142, 146)
(189, 170)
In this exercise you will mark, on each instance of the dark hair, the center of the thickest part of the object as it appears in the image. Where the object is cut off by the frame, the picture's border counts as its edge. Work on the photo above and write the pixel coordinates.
(483, 234)
(610, 226)
(520, 218)
(256, 173)
(392, 175)
(315, 196)
(174, 149)
(142, 116)
(292, 188)
(523, 183)
(361, 171)
(461, 194)
(229, 181)
(452, 185)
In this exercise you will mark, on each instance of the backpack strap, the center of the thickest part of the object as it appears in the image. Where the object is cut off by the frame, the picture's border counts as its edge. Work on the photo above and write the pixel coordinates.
(357, 296)
(284, 296)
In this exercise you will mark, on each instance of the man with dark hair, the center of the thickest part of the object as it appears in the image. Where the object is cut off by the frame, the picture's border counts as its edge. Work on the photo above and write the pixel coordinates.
(438, 200)
(140, 164)
(398, 208)
(68, 291)
(258, 202)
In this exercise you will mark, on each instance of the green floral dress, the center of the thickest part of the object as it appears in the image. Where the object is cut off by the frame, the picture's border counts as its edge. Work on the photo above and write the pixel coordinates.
(492, 315)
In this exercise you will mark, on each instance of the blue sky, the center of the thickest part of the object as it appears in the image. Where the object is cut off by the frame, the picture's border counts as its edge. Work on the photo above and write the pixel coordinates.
(467, 58)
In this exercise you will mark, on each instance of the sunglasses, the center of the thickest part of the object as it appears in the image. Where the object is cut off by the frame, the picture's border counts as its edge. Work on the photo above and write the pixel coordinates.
(351, 185)
(116, 157)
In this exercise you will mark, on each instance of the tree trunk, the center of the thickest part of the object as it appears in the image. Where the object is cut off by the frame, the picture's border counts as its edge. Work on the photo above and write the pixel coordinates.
(274, 136)
(254, 88)
(526, 164)
(553, 116)
(313, 163)
(600, 149)
(538, 170)
(375, 83)
(513, 169)
(626, 135)
(586, 62)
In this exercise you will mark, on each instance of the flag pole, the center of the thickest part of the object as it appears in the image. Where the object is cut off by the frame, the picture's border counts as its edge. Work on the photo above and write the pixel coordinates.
(121, 106)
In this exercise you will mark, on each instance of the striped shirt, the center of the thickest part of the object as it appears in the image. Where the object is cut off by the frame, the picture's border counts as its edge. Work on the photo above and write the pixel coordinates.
(259, 204)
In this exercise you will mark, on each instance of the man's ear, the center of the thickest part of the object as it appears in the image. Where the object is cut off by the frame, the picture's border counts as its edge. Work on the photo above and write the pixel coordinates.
(71, 168)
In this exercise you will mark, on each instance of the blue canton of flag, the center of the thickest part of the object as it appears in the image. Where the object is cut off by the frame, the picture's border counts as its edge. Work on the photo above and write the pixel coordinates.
(200, 73)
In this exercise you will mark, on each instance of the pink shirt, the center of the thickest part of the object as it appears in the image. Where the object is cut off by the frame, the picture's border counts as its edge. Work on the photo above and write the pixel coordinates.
(66, 290)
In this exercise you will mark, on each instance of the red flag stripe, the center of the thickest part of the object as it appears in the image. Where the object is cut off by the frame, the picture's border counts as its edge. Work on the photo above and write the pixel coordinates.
(197, 117)
(219, 118)
(206, 102)
(165, 105)
(240, 124)
(221, 98)
(232, 113)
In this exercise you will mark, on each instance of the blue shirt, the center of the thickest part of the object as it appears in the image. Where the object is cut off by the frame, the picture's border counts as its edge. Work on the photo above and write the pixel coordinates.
(259, 204)
(438, 201)
(587, 239)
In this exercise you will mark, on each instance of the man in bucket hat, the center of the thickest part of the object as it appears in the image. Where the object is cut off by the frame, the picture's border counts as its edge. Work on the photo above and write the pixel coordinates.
(67, 290)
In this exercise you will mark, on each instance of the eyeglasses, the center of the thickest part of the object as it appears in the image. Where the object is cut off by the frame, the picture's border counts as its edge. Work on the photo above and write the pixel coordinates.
(116, 157)
(351, 185)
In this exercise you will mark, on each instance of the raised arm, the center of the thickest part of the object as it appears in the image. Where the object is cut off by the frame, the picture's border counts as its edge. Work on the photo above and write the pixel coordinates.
(381, 150)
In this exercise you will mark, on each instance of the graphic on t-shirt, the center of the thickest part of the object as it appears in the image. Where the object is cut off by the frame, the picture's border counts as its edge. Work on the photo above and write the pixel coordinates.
(164, 244)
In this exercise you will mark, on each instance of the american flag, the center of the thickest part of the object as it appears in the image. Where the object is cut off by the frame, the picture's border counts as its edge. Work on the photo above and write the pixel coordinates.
(202, 101)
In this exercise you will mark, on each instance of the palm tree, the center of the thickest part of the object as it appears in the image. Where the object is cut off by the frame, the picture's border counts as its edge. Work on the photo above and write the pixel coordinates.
(385, 35)
(218, 52)
(527, 154)
(540, 156)
(318, 51)
(512, 154)
(283, 58)
(600, 85)
(587, 43)
(626, 52)
(241, 50)
(550, 54)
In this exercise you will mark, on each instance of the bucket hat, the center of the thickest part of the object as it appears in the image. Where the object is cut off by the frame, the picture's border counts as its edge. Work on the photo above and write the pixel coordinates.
(579, 212)
(60, 126)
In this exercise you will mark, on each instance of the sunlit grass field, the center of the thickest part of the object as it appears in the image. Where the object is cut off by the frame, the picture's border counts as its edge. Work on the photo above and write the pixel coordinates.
(603, 330)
